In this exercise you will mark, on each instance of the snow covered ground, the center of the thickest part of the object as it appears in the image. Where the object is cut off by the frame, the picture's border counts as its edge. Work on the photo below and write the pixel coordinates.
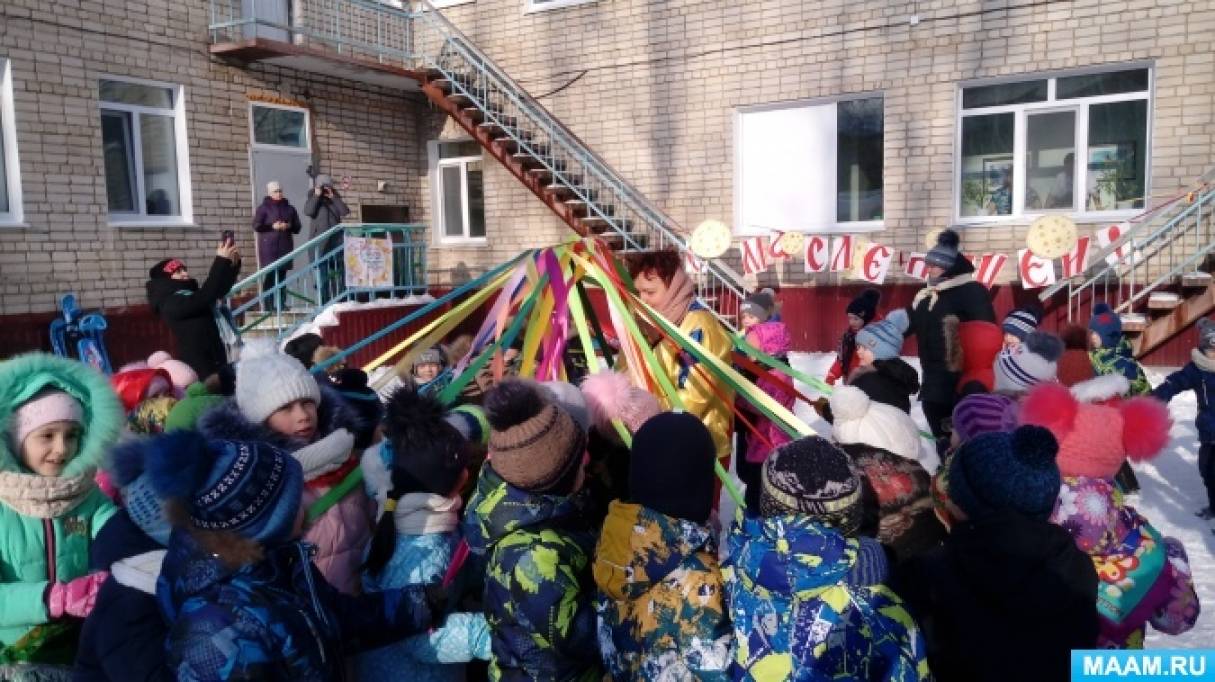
(1171, 492)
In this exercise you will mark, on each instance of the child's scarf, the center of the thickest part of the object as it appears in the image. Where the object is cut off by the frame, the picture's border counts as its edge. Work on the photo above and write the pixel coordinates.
(426, 514)
(44, 497)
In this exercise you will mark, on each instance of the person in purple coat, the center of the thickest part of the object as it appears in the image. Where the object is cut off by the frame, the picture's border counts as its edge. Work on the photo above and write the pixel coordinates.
(275, 221)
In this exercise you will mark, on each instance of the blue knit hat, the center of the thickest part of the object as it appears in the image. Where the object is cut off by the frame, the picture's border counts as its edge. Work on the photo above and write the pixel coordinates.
(1021, 322)
(128, 471)
(251, 489)
(884, 337)
(1002, 471)
(1107, 324)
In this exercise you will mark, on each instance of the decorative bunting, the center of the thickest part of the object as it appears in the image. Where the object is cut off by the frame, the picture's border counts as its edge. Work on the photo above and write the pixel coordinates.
(1108, 235)
(692, 265)
(776, 248)
(817, 253)
(1035, 272)
(988, 267)
(754, 255)
(841, 253)
(1076, 262)
(916, 266)
(875, 263)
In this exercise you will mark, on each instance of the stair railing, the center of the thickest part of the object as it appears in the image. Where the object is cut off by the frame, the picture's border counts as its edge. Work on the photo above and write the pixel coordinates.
(322, 282)
(1155, 253)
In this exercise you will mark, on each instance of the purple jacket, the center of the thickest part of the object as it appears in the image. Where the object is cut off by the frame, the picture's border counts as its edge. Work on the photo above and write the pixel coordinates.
(273, 244)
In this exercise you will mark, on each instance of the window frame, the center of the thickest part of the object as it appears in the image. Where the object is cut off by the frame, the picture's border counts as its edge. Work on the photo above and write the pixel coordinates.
(1080, 106)
(436, 176)
(182, 150)
(15, 215)
(306, 149)
(444, 4)
(533, 7)
(838, 227)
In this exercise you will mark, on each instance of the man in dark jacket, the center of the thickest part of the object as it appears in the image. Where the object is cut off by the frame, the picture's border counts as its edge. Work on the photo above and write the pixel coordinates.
(1009, 595)
(275, 222)
(325, 208)
(189, 309)
(951, 298)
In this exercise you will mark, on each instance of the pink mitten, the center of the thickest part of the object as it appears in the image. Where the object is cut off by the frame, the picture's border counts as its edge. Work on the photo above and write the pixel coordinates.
(75, 598)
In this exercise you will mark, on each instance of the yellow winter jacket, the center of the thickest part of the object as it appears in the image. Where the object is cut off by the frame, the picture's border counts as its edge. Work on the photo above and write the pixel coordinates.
(693, 383)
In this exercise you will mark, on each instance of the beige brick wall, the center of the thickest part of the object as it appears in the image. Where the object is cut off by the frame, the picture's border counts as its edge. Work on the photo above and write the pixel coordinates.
(662, 81)
(59, 50)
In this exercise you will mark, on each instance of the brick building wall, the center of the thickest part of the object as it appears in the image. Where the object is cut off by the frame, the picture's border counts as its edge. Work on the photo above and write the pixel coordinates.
(653, 88)
(58, 51)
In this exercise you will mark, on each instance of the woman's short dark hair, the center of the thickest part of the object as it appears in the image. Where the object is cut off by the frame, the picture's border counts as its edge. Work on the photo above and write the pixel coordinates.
(662, 264)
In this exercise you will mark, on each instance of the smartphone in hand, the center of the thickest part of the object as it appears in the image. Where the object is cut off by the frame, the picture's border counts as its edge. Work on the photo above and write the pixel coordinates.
(228, 237)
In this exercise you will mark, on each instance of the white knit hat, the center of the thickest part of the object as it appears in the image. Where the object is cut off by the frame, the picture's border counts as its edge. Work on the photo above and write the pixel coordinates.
(267, 379)
(857, 419)
(1031, 363)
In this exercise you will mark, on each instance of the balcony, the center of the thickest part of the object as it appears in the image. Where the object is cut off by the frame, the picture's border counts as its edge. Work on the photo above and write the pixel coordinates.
(354, 40)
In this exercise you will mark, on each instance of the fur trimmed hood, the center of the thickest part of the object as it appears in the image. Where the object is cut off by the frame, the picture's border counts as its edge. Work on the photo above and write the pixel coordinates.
(25, 375)
(226, 422)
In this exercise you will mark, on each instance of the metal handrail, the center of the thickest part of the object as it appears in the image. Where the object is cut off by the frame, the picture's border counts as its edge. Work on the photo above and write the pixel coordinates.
(1197, 256)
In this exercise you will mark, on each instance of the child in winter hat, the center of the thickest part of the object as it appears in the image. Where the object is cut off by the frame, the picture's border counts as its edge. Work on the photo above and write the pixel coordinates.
(124, 636)
(974, 415)
(180, 373)
(1019, 324)
(527, 510)
(1111, 352)
(280, 403)
(1199, 376)
(59, 417)
(187, 411)
(609, 395)
(756, 309)
(799, 562)
(884, 444)
(239, 590)
(860, 311)
(416, 474)
(1143, 577)
(881, 373)
(1005, 581)
(1033, 362)
(430, 372)
(657, 548)
(151, 416)
(763, 434)
(135, 384)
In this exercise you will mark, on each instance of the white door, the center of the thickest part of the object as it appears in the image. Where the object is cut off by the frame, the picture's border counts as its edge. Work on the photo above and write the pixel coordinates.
(281, 149)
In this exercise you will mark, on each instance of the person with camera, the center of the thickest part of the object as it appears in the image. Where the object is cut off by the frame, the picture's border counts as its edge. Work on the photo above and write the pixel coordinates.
(325, 208)
(189, 309)
(275, 222)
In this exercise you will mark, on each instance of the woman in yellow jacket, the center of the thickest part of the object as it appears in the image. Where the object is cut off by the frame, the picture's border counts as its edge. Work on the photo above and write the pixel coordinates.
(664, 286)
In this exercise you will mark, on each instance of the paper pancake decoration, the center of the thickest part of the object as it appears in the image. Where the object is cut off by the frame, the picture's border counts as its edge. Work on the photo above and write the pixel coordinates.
(1051, 236)
(792, 243)
(710, 239)
(930, 239)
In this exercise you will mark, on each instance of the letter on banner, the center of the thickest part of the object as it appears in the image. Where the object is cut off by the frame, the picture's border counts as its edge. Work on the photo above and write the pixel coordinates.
(754, 255)
(875, 263)
(691, 264)
(841, 253)
(776, 250)
(1109, 235)
(988, 268)
(1035, 272)
(1076, 262)
(916, 266)
(817, 253)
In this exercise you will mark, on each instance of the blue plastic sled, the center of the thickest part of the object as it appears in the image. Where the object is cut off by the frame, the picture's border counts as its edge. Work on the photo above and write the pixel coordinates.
(80, 336)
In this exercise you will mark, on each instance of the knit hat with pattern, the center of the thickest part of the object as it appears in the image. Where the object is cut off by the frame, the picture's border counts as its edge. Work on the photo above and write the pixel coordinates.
(1006, 471)
(1022, 322)
(811, 476)
(534, 445)
(982, 413)
(1034, 362)
(884, 337)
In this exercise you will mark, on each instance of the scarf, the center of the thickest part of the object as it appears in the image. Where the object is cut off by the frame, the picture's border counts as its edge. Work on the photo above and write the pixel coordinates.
(44, 497)
(426, 514)
(1202, 361)
(139, 572)
(325, 455)
(678, 297)
(933, 291)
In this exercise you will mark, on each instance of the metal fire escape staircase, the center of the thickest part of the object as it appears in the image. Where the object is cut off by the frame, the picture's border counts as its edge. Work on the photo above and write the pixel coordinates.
(421, 45)
(1156, 275)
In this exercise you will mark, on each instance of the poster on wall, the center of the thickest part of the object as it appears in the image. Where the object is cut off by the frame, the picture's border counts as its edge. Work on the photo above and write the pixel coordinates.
(368, 262)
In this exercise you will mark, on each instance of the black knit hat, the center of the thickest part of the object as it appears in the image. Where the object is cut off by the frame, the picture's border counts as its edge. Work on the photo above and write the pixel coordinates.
(428, 453)
(946, 251)
(671, 467)
(352, 384)
(812, 477)
(865, 305)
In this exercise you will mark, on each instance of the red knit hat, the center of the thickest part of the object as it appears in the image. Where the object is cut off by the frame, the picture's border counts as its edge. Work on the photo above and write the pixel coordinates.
(133, 386)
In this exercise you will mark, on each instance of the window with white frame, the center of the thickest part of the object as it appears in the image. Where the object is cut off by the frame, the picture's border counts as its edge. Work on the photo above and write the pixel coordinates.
(10, 175)
(143, 136)
(541, 5)
(1075, 143)
(810, 166)
(459, 192)
(276, 125)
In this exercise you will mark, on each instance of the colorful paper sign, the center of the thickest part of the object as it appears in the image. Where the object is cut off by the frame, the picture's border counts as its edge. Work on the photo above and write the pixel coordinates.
(754, 255)
(988, 267)
(368, 262)
(841, 253)
(818, 253)
(1036, 272)
(916, 266)
(1076, 262)
(875, 263)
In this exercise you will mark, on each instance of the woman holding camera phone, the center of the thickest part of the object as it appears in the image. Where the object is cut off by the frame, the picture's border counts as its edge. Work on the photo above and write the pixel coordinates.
(326, 209)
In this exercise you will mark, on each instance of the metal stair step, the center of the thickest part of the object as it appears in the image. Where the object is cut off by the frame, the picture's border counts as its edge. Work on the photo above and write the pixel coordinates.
(1133, 323)
(1196, 280)
(1163, 300)
(503, 121)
